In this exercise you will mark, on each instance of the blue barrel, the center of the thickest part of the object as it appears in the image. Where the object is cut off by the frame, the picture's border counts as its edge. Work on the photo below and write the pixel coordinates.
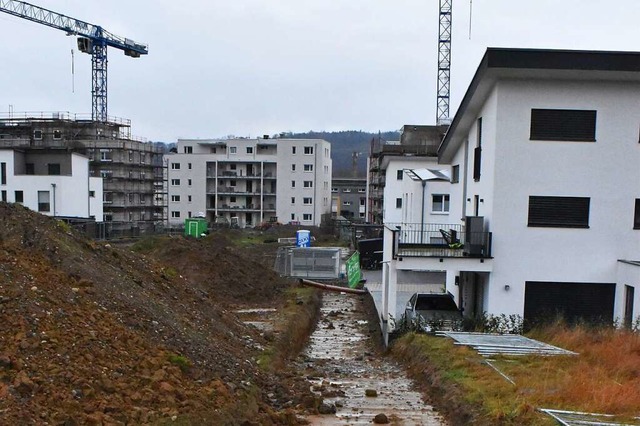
(303, 238)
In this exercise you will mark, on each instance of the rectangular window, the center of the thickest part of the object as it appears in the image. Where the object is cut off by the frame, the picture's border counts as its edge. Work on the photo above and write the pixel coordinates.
(308, 167)
(175, 198)
(19, 196)
(293, 183)
(455, 174)
(559, 212)
(362, 201)
(54, 168)
(346, 203)
(57, 134)
(92, 194)
(189, 198)
(399, 174)
(131, 198)
(307, 201)
(175, 166)
(233, 167)
(293, 150)
(232, 183)
(189, 182)
(563, 125)
(105, 155)
(293, 200)
(308, 150)
(3, 196)
(636, 217)
(306, 216)
(440, 203)
(189, 166)
(346, 190)
(293, 167)
(175, 182)
(232, 199)
(398, 203)
(175, 214)
(43, 201)
(233, 150)
(477, 152)
(3, 173)
(293, 216)
(308, 184)
(187, 150)
(334, 189)
(37, 135)
(362, 190)
(249, 150)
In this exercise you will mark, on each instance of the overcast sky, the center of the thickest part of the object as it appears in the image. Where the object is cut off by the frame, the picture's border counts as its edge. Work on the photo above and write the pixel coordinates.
(253, 67)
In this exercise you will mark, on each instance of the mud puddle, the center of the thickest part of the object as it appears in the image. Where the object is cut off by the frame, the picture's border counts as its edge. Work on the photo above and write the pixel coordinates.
(341, 368)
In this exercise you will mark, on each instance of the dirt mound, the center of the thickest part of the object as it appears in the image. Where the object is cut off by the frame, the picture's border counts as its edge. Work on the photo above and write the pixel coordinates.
(93, 333)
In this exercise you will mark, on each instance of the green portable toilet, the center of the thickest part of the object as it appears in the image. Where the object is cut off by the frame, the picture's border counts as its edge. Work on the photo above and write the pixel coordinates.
(195, 227)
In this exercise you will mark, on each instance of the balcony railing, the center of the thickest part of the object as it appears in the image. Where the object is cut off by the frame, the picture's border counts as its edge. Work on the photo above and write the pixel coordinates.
(439, 240)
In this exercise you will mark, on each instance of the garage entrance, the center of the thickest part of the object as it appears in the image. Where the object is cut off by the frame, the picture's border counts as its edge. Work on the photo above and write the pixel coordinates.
(575, 302)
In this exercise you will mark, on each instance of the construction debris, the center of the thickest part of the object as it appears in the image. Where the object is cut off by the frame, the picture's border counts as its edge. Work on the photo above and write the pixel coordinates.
(489, 345)
(575, 418)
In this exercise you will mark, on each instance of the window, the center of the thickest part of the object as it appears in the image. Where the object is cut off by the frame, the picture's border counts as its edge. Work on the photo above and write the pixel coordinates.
(57, 134)
(232, 199)
(131, 198)
(189, 198)
(293, 167)
(326, 170)
(455, 174)
(362, 190)
(293, 183)
(43, 201)
(30, 169)
(105, 155)
(306, 216)
(293, 150)
(175, 166)
(308, 150)
(477, 152)
(636, 216)
(440, 203)
(92, 194)
(363, 201)
(399, 174)
(37, 134)
(189, 166)
(293, 216)
(346, 190)
(308, 184)
(346, 203)
(19, 197)
(175, 182)
(563, 125)
(233, 150)
(308, 167)
(249, 150)
(232, 183)
(189, 182)
(175, 214)
(107, 174)
(130, 156)
(559, 212)
(293, 200)
(175, 198)
(54, 168)
(233, 167)
(187, 150)
(3, 196)
(334, 189)
(307, 201)
(398, 203)
(143, 199)
(3, 173)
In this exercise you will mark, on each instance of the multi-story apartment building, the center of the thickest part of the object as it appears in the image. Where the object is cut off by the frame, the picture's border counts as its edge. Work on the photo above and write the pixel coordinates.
(53, 183)
(132, 171)
(543, 205)
(349, 198)
(250, 181)
(415, 141)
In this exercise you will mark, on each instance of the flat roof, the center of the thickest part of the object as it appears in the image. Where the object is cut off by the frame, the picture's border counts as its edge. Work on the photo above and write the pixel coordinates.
(505, 63)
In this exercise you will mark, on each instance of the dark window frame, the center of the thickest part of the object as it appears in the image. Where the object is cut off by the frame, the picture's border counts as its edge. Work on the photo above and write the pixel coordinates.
(455, 173)
(54, 169)
(636, 216)
(564, 125)
(398, 203)
(477, 152)
(558, 212)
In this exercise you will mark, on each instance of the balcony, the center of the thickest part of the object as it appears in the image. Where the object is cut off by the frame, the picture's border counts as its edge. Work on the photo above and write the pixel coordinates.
(244, 208)
(439, 240)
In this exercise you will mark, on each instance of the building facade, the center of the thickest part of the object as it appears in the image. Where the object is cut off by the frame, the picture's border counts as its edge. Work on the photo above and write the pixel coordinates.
(52, 183)
(246, 182)
(544, 197)
(132, 171)
(349, 198)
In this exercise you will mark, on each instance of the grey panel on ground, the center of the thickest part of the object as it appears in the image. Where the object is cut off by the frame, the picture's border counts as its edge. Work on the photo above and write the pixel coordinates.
(575, 418)
(505, 344)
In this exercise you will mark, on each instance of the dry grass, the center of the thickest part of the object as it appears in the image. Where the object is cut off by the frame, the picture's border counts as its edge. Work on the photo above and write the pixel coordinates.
(603, 378)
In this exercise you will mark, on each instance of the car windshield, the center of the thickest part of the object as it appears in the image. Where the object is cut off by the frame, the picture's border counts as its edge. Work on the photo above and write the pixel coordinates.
(430, 303)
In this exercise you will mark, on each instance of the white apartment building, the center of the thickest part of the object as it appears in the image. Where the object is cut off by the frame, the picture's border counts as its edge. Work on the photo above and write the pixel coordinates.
(250, 181)
(544, 199)
(53, 183)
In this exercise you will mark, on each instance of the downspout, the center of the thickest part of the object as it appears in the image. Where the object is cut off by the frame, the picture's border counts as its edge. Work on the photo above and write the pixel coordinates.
(424, 186)
(53, 185)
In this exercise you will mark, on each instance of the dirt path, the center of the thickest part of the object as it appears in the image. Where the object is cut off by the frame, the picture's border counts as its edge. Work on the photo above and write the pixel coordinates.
(341, 367)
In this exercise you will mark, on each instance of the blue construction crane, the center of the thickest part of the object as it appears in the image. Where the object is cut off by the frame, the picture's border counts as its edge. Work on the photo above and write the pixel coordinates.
(92, 39)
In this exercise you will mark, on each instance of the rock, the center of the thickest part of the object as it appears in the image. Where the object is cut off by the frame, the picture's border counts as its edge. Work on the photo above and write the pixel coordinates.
(23, 384)
(166, 387)
(325, 408)
(371, 393)
(381, 419)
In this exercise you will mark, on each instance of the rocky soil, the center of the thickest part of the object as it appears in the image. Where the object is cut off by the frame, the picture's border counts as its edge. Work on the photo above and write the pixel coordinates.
(92, 333)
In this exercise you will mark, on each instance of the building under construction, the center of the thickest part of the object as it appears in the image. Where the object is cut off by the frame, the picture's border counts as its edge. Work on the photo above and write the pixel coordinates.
(415, 140)
(134, 176)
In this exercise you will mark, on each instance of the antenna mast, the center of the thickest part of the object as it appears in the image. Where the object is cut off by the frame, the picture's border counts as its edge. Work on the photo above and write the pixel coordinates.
(444, 62)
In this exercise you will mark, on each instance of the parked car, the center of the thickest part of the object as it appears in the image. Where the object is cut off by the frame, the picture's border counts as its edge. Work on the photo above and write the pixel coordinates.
(433, 312)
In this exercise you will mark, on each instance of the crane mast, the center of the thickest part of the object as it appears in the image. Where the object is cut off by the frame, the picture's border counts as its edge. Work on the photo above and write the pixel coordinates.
(92, 39)
(444, 62)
